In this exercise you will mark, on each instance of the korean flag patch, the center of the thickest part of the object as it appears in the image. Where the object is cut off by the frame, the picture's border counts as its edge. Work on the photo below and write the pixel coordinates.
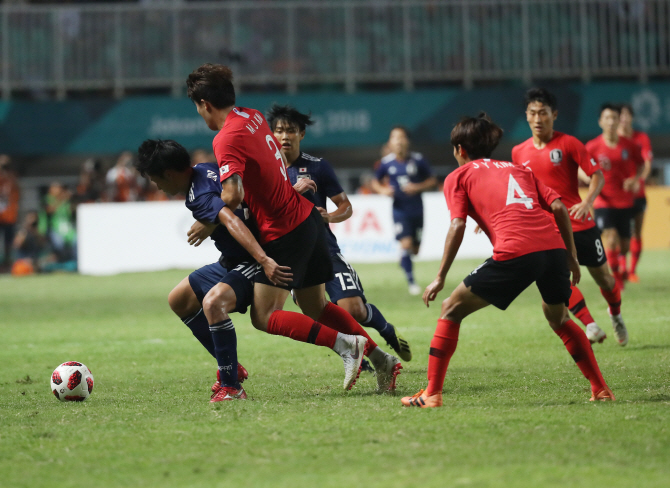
(223, 170)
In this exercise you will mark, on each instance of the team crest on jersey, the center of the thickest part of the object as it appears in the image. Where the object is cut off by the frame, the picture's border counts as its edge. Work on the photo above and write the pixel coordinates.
(556, 156)
(211, 174)
(302, 170)
(605, 163)
(223, 170)
(624, 154)
(392, 170)
(411, 168)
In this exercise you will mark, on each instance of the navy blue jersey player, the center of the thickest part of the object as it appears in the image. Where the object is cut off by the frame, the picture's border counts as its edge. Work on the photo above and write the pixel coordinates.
(404, 175)
(315, 179)
(232, 276)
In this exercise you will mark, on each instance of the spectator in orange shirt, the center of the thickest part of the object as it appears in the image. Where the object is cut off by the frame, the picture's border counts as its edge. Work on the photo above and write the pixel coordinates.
(9, 208)
(122, 180)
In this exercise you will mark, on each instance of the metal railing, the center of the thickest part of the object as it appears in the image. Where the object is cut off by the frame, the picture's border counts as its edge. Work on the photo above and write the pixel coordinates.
(291, 43)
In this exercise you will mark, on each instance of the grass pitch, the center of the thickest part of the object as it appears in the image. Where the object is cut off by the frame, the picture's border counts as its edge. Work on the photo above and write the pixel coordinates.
(516, 407)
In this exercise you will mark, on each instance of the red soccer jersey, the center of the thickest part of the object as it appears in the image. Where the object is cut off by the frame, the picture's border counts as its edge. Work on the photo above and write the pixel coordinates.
(617, 164)
(509, 204)
(642, 139)
(556, 166)
(246, 146)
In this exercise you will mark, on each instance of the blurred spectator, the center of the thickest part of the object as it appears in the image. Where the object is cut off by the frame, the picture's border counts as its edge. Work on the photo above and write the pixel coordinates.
(123, 180)
(56, 221)
(151, 193)
(202, 156)
(383, 151)
(92, 182)
(9, 209)
(365, 183)
(31, 248)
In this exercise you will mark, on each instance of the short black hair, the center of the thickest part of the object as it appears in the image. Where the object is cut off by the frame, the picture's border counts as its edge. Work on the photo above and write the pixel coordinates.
(610, 106)
(157, 156)
(402, 128)
(545, 97)
(628, 107)
(288, 114)
(479, 136)
(212, 83)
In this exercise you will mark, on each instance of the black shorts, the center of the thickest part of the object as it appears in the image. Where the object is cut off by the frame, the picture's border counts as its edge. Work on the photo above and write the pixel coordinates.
(615, 218)
(500, 282)
(590, 250)
(240, 279)
(305, 251)
(640, 206)
(346, 283)
(411, 226)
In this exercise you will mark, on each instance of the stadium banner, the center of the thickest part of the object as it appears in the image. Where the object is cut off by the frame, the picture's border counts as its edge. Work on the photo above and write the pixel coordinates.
(151, 236)
(32, 128)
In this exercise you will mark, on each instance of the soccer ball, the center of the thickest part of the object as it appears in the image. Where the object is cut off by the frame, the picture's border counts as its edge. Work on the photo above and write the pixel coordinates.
(72, 382)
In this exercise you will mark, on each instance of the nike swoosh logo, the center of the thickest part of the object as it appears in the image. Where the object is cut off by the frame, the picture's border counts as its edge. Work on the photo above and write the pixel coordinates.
(355, 356)
(526, 163)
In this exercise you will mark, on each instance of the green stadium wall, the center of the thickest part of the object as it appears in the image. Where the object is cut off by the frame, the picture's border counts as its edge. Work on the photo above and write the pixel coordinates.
(31, 128)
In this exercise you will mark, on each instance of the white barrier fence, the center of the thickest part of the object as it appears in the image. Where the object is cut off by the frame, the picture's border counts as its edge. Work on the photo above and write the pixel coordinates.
(151, 236)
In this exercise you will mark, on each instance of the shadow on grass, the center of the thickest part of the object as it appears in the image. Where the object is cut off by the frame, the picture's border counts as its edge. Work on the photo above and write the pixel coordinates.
(645, 347)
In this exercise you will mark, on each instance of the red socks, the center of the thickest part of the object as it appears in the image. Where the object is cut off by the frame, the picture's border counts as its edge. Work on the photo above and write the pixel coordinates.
(301, 328)
(613, 260)
(613, 298)
(635, 251)
(442, 347)
(580, 349)
(577, 306)
(339, 319)
(622, 264)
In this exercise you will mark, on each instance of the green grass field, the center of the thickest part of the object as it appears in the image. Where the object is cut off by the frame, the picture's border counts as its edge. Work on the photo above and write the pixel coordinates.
(516, 407)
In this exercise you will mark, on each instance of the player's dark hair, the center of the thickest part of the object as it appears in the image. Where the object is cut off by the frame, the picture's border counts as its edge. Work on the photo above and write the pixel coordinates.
(154, 157)
(545, 97)
(212, 83)
(628, 107)
(290, 115)
(402, 128)
(479, 136)
(610, 106)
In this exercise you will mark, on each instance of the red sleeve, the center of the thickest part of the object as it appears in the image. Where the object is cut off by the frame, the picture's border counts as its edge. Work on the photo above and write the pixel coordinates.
(637, 156)
(545, 195)
(228, 152)
(645, 145)
(582, 157)
(456, 196)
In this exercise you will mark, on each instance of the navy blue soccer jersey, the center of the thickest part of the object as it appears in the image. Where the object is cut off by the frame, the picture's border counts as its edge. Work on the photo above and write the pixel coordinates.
(204, 202)
(327, 186)
(415, 170)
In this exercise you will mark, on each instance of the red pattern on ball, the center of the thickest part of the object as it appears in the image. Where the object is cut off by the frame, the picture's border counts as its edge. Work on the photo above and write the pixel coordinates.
(89, 382)
(56, 394)
(72, 363)
(55, 378)
(73, 382)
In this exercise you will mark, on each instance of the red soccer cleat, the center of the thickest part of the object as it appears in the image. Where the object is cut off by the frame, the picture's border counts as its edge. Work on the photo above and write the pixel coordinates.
(633, 278)
(228, 393)
(242, 374)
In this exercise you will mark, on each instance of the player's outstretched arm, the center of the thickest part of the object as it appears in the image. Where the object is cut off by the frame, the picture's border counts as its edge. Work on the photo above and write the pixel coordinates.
(565, 227)
(199, 232)
(377, 187)
(425, 185)
(583, 209)
(451, 245)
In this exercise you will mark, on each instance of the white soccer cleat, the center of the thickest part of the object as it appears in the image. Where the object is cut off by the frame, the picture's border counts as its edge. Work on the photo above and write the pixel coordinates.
(414, 289)
(620, 332)
(595, 333)
(387, 370)
(351, 349)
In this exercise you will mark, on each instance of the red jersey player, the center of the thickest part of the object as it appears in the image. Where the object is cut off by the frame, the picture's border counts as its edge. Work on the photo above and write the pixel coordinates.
(509, 204)
(621, 162)
(291, 232)
(640, 205)
(555, 158)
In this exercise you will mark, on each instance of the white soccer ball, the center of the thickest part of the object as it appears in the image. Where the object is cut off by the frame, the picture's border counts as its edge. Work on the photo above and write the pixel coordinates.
(72, 382)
